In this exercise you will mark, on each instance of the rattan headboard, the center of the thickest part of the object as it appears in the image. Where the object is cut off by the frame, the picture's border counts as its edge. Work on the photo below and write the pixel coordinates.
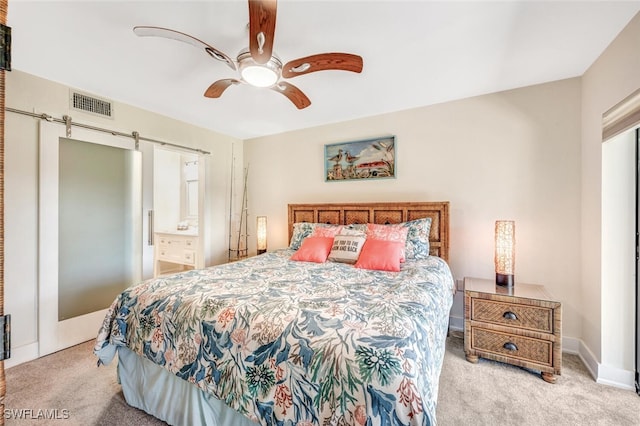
(383, 213)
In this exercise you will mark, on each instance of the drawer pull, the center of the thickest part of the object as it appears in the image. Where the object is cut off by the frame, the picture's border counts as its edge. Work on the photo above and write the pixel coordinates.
(510, 346)
(509, 315)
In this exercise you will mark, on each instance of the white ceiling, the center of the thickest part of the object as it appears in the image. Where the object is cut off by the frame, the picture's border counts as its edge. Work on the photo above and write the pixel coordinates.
(415, 53)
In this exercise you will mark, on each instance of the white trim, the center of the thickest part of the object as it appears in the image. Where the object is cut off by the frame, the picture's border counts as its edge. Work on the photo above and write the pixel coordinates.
(22, 354)
(588, 359)
(602, 374)
(617, 377)
(456, 323)
(571, 345)
(79, 329)
(48, 238)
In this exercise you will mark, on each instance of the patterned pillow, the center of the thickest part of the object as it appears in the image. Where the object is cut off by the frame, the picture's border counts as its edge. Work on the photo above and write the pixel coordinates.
(354, 229)
(346, 248)
(326, 231)
(417, 238)
(396, 232)
(302, 230)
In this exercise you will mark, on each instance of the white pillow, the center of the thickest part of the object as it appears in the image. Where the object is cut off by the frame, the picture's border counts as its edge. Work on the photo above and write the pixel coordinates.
(346, 248)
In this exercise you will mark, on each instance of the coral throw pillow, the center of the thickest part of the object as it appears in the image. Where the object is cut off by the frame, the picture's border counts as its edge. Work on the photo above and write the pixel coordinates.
(380, 255)
(314, 249)
(397, 232)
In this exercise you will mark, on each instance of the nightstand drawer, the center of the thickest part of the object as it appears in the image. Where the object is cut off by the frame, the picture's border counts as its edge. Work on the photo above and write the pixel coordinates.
(512, 346)
(514, 315)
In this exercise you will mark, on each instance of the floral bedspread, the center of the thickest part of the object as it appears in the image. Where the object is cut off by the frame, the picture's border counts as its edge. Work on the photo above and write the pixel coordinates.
(296, 343)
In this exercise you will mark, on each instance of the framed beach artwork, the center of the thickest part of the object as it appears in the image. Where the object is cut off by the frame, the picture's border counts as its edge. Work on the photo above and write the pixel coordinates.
(358, 160)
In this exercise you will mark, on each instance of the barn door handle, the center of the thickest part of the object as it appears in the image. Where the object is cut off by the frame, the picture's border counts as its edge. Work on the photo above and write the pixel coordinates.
(150, 228)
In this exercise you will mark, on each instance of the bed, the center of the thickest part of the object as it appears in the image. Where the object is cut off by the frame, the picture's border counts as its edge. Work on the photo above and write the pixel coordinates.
(274, 341)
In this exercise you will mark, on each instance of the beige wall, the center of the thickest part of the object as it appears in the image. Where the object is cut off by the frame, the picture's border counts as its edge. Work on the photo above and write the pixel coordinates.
(29, 93)
(614, 76)
(510, 155)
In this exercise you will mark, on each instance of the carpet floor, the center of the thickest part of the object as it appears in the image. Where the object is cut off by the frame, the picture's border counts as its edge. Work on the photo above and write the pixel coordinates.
(66, 388)
(493, 393)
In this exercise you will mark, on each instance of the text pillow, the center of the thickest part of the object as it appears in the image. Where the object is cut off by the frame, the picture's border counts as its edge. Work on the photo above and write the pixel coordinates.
(346, 248)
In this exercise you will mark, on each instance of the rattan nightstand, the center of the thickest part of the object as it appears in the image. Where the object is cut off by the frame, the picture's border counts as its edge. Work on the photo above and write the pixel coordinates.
(520, 325)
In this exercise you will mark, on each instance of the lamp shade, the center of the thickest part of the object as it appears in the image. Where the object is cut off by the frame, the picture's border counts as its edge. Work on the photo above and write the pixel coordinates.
(261, 234)
(505, 255)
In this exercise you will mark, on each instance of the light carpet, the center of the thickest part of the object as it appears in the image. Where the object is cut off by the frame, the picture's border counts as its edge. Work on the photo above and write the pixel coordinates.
(70, 388)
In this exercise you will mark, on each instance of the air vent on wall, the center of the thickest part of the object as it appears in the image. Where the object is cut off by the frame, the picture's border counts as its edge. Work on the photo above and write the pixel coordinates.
(91, 104)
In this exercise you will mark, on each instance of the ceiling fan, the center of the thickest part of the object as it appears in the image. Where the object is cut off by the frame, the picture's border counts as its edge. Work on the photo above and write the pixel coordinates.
(258, 65)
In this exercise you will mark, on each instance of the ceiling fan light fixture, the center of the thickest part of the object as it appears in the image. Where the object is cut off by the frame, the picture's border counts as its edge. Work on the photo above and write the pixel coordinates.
(259, 76)
(257, 64)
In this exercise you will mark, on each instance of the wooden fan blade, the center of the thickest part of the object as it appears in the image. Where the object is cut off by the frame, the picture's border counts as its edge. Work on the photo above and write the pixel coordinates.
(321, 62)
(294, 94)
(262, 28)
(144, 31)
(217, 88)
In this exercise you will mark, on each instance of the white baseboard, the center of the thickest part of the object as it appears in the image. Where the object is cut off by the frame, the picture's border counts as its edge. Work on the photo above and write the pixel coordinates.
(456, 323)
(571, 345)
(587, 357)
(601, 373)
(617, 377)
(22, 354)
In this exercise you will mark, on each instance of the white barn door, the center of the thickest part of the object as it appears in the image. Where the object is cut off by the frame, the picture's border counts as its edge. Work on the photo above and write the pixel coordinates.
(90, 230)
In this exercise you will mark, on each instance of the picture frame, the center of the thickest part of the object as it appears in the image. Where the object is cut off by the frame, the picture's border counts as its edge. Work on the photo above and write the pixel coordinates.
(360, 160)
